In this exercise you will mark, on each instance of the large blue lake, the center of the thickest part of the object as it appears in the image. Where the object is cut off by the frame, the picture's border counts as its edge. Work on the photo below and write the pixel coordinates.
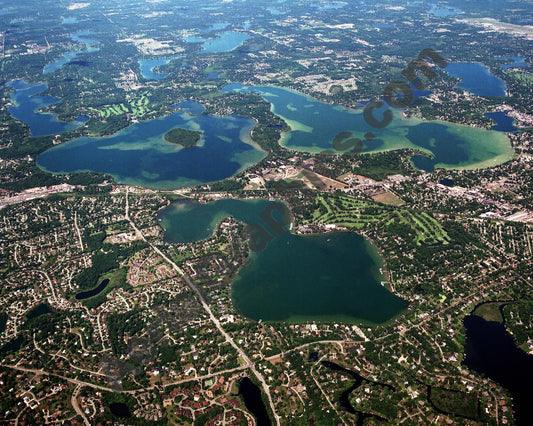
(504, 123)
(139, 155)
(224, 42)
(477, 79)
(26, 103)
(315, 124)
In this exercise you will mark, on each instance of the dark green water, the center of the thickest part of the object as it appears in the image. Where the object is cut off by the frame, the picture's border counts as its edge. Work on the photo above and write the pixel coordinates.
(315, 124)
(188, 220)
(12, 346)
(331, 277)
(39, 310)
(3, 321)
(492, 351)
(120, 409)
(93, 292)
(251, 394)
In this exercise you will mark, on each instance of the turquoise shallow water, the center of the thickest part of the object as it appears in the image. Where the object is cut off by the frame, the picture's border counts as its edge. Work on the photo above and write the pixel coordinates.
(138, 155)
(314, 125)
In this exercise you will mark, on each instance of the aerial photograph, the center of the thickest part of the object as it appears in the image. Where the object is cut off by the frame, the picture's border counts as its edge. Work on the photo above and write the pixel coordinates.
(266, 212)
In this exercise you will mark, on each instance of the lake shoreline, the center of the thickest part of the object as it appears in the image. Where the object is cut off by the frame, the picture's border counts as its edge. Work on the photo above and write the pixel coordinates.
(372, 304)
(448, 145)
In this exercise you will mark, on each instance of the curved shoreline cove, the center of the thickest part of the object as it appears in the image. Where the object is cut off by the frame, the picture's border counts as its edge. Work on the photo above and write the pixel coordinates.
(26, 106)
(223, 42)
(330, 277)
(504, 123)
(517, 62)
(186, 220)
(92, 292)
(491, 351)
(314, 125)
(251, 394)
(79, 37)
(477, 79)
(148, 66)
(139, 155)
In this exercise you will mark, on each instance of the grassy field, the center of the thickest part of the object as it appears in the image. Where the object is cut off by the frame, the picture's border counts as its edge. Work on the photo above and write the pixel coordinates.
(388, 198)
(524, 77)
(136, 106)
(349, 212)
(357, 214)
(489, 312)
(428, 230)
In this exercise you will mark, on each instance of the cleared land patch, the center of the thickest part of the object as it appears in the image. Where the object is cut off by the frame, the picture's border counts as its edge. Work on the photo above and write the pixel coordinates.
(388, 198)
(357, 214)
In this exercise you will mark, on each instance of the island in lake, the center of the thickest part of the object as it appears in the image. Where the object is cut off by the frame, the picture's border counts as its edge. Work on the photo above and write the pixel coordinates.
(183, 137)
(139, 154)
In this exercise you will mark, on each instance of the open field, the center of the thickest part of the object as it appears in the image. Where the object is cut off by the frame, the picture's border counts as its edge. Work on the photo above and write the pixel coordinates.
(356, 214)
(349, 212)
(137, 106)
(428, 230)
(489, 312)
(388, 198)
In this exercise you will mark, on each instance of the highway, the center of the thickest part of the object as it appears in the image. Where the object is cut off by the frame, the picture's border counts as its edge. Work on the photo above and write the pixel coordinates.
(206, 307)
